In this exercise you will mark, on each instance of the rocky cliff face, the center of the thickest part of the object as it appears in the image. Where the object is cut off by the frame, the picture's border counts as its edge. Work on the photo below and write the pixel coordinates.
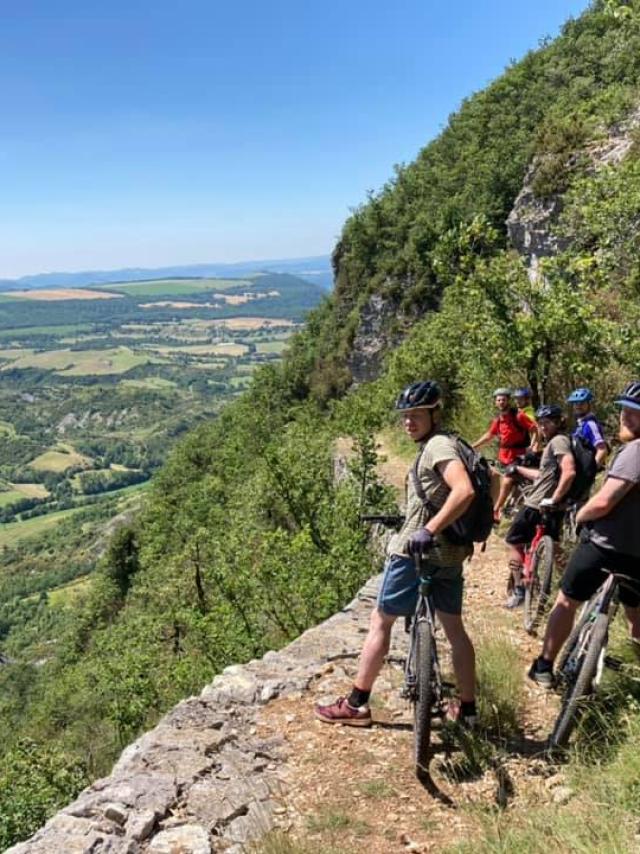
(531, 222)
(373, 338)
(204, 780)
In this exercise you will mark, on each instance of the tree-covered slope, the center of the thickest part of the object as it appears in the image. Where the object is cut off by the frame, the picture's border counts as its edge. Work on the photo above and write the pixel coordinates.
(403, 243)
(250, 532)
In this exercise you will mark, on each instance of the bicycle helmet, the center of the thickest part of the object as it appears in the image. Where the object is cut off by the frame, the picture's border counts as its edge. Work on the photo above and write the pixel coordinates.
(580, 395)
(499, 392)
(549, 410)
(630, 397)
(420, 395)
(522, 392)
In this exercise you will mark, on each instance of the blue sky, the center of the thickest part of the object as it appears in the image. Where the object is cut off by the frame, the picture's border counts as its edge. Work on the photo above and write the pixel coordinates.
(147, 133)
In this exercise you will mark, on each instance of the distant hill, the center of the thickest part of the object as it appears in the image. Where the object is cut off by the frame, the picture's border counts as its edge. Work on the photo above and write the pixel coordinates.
(315, 269)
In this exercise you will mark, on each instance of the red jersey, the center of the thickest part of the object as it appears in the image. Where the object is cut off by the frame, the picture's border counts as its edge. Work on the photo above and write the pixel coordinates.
(512, 429)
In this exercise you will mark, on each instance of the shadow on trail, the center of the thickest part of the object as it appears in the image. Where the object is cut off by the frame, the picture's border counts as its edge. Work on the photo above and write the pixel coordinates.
(397, 727)
(430, 786)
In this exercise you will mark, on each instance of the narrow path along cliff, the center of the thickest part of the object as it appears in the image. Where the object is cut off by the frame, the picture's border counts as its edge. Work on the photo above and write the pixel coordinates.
(245, 767)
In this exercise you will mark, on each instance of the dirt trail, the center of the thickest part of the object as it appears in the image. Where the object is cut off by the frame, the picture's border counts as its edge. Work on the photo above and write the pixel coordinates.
(348, 787)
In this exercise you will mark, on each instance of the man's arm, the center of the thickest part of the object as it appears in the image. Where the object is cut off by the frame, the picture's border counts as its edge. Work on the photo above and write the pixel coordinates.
(486, 437)
(460, 496)
(525, 471)
(605, 499)
(602, 452)
(567, 476)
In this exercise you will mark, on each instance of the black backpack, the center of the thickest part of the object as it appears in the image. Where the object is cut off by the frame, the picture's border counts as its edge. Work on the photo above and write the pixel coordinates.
(585, 460)
(475, 524)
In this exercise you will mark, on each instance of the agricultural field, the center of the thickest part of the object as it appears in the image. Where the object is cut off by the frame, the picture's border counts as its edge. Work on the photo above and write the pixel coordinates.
(97, 383)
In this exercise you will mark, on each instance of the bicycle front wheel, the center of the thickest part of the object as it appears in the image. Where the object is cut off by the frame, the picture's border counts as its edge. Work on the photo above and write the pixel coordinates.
(536, 594)
(584, 684)
(424, 642)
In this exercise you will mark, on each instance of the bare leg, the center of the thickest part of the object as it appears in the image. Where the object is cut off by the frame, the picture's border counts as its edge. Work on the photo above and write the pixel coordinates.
(633, 618)
(462, 653)
(506, 487)
(559, 625)
(375, 648)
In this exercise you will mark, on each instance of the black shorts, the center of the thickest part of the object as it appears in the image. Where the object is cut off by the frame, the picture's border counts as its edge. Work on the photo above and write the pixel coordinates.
(585, 573)
(523, 527)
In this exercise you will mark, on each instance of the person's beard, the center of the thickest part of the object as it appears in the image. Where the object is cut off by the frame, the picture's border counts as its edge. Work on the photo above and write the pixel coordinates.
(626, 434)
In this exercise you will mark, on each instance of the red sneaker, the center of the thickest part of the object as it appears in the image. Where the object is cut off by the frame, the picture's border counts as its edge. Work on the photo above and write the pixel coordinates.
(341, 712)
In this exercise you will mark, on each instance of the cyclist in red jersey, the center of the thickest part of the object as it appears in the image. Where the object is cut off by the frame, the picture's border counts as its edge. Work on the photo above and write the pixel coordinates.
(515, 431)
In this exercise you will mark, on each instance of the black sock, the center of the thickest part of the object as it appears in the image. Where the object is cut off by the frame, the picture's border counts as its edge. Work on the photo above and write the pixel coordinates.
(468, 710)
(358, 698)
(543, 665)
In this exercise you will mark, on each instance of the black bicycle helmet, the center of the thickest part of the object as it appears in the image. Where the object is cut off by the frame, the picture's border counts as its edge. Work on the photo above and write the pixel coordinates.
(549, 410)
(630, 397)
(420, 395)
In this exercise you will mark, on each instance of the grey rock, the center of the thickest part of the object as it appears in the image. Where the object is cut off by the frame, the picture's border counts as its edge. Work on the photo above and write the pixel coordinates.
(186, 839)
(116, 813)
(140, 825)
(203, 770)
(374, 337)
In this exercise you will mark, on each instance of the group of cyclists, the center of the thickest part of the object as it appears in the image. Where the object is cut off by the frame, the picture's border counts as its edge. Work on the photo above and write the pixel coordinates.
(534, 448)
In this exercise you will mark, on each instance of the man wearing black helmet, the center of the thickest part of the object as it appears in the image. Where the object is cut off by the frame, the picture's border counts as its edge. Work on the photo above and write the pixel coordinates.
(610, 540)
(448, 491)
(552, 482)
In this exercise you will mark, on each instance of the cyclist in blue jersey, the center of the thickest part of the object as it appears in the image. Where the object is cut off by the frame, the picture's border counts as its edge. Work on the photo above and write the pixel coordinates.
(588, 427)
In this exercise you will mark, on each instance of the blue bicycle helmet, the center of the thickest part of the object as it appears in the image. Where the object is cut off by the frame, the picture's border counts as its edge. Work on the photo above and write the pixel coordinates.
(522, 392)
(630, 397)
(419, 395)
(549, 410)
(580, 395)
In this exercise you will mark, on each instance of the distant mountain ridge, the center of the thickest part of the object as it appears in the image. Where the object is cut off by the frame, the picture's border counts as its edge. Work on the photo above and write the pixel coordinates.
(315, 269)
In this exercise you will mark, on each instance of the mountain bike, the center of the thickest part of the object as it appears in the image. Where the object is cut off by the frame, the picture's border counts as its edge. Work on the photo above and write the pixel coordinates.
(581, 663)
(423, 686)
(537, 572)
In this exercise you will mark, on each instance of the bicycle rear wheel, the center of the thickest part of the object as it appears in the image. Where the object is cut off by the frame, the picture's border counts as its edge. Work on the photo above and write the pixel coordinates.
(584, 684)
(424, 695)
(536, 594)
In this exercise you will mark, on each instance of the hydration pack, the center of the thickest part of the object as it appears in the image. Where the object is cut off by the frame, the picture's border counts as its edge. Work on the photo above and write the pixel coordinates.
(475, 524)
(584, 457)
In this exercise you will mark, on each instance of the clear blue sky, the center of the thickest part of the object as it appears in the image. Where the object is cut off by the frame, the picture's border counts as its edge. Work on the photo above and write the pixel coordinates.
(147, 133)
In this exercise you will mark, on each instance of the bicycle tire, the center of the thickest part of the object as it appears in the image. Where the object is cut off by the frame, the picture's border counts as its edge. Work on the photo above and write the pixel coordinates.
(583, 685)
(536, 594)
(424, 694)
(570, 643)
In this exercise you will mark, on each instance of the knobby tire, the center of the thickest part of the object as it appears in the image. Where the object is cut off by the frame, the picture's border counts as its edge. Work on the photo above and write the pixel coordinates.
(424, 694)
(583, 685)
(570, 643)
(536, 594)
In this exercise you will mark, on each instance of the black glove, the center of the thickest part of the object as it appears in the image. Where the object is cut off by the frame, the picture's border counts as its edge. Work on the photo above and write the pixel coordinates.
(420, 542)
(512, 470)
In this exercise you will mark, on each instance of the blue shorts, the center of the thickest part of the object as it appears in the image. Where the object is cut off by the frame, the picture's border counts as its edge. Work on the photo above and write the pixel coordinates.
(399, 589)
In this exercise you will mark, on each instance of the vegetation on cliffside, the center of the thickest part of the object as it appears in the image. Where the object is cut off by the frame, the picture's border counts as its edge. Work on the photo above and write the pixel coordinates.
(250, 532)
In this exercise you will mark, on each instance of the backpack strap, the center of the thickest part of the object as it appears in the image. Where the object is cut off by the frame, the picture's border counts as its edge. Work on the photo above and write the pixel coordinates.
(415, 477)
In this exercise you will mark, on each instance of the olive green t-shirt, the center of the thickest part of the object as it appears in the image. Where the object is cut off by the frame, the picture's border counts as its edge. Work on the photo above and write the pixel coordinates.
(545, 485)
(437, 450)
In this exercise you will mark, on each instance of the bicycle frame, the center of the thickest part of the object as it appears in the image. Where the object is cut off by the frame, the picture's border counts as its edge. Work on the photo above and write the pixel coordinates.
(425, 611)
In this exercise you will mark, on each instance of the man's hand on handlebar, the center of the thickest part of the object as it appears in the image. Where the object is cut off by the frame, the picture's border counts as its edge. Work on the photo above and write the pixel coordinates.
(421, 542)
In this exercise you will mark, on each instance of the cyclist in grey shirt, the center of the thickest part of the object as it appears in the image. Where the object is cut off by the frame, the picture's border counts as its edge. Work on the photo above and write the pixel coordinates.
(610, 540)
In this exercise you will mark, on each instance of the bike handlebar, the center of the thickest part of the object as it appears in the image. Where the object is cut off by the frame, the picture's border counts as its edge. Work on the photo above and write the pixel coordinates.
(389, 520)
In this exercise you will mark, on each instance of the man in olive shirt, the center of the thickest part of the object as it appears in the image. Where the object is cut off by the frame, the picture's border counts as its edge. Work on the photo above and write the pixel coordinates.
(610, 540)
(448, 489)
(552, 482)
